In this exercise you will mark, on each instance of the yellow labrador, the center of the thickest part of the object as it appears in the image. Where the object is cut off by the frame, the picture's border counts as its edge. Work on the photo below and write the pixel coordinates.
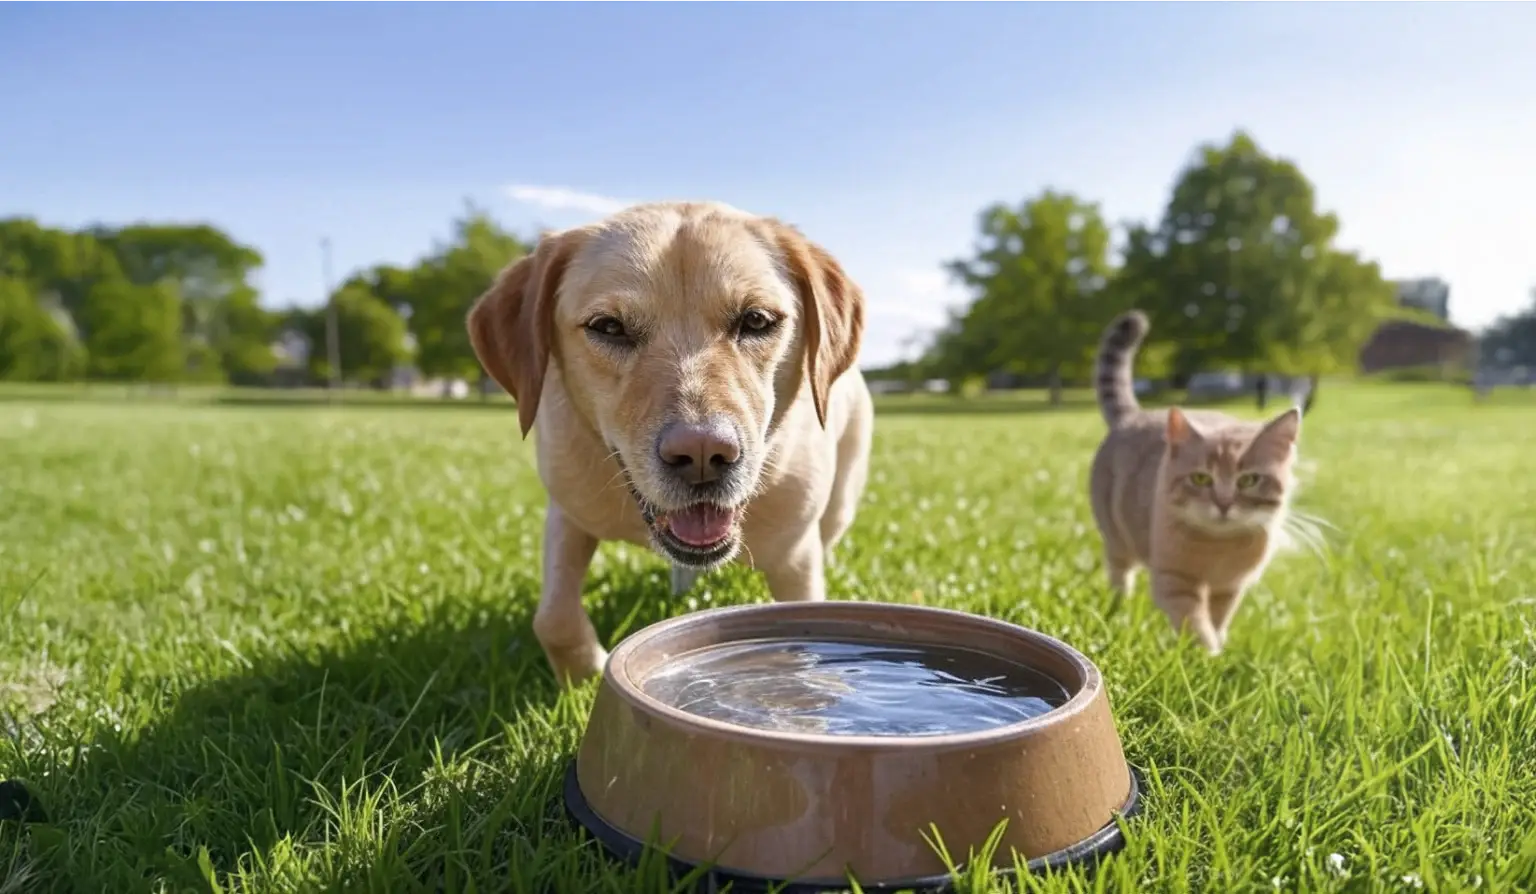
(691, 367)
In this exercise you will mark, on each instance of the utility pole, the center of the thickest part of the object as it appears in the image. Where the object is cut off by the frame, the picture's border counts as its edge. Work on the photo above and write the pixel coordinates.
(332, 327)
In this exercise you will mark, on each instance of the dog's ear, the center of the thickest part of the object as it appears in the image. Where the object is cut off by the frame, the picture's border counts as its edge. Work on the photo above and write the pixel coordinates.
(511, 325)
(831, 313)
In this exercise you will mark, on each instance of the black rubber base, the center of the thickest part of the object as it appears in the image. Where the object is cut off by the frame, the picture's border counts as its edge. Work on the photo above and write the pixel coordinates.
(1090, 850)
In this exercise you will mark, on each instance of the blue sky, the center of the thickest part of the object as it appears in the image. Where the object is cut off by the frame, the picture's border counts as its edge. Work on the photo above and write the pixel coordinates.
(880, 129)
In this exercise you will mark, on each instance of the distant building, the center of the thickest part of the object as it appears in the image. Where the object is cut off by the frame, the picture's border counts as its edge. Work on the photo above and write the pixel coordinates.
(1399, 344)
(888, 386)
(1428, 293)
(291, 349)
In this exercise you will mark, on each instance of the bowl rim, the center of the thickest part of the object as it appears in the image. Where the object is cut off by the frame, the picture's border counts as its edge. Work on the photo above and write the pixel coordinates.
(1079, 698)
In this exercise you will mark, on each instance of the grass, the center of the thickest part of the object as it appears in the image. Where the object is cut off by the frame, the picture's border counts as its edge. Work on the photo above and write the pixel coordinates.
(283, 649)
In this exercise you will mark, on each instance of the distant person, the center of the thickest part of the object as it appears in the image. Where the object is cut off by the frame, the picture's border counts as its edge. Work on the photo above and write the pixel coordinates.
(1481, 385)
(1308, 395)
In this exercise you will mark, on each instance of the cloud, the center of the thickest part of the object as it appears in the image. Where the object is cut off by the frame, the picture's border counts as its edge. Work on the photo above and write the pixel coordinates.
(921, 294)
(906, 305)
(559, 198)
(925, 284)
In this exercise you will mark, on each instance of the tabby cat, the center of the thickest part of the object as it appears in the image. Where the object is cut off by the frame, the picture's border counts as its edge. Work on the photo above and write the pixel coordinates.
(1198, 498)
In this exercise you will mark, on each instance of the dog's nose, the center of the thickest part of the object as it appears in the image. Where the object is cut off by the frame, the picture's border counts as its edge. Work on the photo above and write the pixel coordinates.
(699, 451)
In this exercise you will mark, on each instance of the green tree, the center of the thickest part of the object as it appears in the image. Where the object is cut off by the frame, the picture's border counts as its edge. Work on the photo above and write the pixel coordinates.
(245, 342)
(1039, 274)
(60, 267)
(372, 336)
(1241, 270)
(35, 345)
(224, 328)
(133, 333)
(222, 319)
(443, 286)
(963, 347)
(1336, 310)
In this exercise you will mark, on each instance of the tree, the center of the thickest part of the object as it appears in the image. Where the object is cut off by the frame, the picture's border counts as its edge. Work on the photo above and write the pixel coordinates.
(963, 347)
(59, 267)
(1511, 340)
(223, 321)
(441, 289)
(245, 348)
(35, 345)
(1241, 269)
(1337, 309)
(224, 328)
(373, 337)
(436, 293)
(1039, 274)
(133, 333)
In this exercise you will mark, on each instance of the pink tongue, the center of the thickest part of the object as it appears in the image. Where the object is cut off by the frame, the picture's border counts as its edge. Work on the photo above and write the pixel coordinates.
(701, 525)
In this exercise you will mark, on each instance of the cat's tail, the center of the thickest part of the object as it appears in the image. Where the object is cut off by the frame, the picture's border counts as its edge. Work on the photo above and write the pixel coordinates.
(1112, 373)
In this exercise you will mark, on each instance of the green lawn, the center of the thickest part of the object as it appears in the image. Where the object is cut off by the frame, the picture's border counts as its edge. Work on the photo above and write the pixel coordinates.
(275, 649)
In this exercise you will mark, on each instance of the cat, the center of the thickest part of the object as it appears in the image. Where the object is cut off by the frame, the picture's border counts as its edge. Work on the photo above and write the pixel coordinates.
(1197, 498)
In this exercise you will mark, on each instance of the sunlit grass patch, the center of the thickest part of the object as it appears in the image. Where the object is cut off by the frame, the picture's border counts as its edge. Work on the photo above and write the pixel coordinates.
(282, 649)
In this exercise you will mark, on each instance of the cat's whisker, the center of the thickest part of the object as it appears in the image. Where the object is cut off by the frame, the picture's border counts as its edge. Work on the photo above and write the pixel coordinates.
(1305, 531)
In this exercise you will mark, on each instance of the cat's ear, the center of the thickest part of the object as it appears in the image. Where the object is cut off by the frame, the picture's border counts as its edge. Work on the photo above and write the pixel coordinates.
(1278, 436)
(1179, 432)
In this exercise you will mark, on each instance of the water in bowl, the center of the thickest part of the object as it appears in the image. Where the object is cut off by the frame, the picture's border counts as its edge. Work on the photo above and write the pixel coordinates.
(845, 688)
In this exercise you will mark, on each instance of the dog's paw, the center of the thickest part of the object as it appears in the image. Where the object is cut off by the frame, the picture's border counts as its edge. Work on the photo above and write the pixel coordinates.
(574, 667)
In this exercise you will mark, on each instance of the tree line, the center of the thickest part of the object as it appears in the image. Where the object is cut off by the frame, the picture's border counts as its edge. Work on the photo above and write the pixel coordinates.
(167, 303)
(1241, 272)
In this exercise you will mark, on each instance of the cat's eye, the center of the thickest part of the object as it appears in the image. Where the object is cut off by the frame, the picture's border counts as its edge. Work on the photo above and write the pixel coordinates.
(1200, 479)
(1247, 480)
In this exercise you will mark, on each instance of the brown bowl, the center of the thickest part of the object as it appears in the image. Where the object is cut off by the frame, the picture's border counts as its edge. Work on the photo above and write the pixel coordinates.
(756, 805)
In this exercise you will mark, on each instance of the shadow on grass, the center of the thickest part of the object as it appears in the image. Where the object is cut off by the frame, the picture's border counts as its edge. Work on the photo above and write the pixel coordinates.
(415, 760)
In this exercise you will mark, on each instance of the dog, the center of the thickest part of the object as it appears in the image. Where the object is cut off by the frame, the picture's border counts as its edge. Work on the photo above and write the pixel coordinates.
(691, 369)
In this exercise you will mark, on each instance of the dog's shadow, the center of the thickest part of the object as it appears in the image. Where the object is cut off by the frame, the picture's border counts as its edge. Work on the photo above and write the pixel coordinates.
(419, 757)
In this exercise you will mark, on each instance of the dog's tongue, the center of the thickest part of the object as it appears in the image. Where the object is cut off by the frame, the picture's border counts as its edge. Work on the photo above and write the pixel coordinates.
(701, 525)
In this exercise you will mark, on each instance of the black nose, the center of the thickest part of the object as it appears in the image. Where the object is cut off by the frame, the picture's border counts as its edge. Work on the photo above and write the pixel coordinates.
(698, 451)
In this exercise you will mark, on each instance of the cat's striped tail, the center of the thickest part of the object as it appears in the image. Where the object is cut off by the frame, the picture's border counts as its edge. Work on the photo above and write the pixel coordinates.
(1112, 372)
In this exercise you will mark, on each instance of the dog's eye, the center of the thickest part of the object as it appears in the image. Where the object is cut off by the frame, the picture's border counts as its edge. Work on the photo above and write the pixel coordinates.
(757, 322)
(608, 327)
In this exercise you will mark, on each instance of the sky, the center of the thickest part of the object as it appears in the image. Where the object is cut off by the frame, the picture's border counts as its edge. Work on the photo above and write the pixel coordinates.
(881, 130)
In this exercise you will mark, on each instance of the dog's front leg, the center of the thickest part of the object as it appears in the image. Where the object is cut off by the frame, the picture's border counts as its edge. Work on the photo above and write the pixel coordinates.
(683, 579)
(799, 575)
(561, 623)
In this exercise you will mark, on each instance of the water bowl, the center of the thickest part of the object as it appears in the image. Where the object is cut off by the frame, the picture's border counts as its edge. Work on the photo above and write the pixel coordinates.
(805, 743)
